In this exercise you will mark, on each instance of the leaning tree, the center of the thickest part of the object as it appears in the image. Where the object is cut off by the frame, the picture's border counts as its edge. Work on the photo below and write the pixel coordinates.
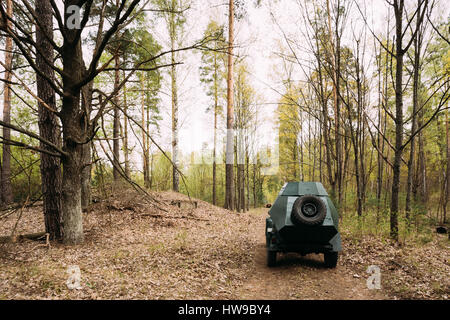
(73, 76)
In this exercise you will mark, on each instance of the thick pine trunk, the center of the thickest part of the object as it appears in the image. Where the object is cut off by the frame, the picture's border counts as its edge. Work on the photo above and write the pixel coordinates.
(71, 192)
(51, 177)
(74, 134)
(72, 168)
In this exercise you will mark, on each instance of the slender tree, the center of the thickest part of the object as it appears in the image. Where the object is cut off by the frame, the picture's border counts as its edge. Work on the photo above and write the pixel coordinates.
(229, 166)
(5, 181)
(211, 74)
(173, 76)
(174, 15)
(400, 51)
(447, 198)
(126, 151)
(116, 122)
(416, 86)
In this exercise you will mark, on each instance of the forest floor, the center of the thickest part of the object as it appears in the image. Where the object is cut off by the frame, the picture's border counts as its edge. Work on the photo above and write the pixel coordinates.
(134, 250)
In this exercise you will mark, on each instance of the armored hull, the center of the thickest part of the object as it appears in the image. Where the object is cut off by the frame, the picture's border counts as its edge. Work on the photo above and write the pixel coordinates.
(303, 219)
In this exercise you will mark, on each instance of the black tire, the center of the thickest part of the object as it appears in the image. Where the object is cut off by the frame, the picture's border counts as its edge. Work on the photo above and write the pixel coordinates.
(330, 259)
(271, 258)
(308, 210)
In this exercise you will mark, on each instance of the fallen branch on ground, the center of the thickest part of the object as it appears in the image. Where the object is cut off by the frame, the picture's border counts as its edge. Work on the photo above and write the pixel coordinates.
(22, 237)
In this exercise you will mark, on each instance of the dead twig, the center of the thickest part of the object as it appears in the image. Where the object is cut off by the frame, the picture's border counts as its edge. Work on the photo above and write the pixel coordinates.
(12, 210)
(22, 237)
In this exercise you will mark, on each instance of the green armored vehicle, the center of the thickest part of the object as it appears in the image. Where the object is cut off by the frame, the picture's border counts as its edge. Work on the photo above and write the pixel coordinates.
(304, 220)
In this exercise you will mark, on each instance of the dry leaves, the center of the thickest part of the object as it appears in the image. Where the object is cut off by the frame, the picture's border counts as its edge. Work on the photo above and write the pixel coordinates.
(134, 250)
(408, 271)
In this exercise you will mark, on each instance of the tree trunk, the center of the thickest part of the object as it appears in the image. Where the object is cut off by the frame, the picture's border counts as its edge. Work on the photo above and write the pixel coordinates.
(326, 140)
(51, 177)
(71, 191)
(216, 110)
(125, 132)
(89, 147)
(239, 189)
(229, 191)
(116, 125)
(86, 198)
(447, 199)
(421, 189)
(236, 178)
(398, 121)
(74, 133)
(247, 180)
(214, 187)
(173, 37)
(71, 181)
(335, 61)
(359, 151)
(255, 205)
(241, 178)
(148, 144)
(383, 86)
(7, 194)
(144, 138)
(300, 149)
(411, 161)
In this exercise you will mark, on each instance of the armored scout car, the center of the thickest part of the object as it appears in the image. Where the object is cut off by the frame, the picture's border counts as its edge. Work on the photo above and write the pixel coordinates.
(303, 219)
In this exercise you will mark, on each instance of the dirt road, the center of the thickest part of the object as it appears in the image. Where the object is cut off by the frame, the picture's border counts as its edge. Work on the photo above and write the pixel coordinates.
(297, 277)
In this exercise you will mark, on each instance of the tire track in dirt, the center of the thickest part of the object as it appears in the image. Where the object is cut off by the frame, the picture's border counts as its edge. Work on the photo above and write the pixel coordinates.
(300, 278)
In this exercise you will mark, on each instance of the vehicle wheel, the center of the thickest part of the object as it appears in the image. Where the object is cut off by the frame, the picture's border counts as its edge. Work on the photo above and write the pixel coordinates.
(271, 258)
(308, 210)
(331, 259)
